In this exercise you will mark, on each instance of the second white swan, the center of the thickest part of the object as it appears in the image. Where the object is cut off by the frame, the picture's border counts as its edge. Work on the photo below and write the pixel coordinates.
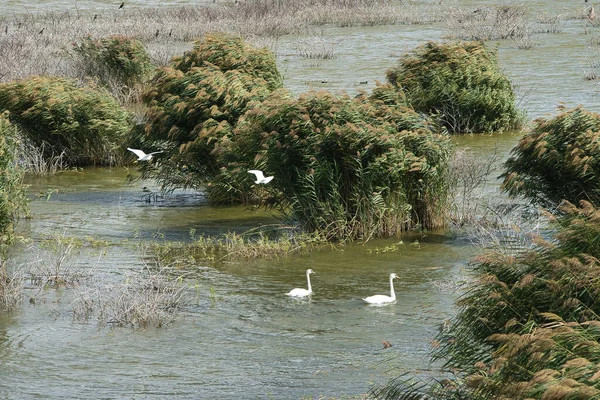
(299, 292)
(383, 299)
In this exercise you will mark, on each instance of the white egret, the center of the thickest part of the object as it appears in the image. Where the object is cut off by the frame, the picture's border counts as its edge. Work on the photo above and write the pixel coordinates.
(299, 292)
(260, 177)
(141, 155)
(383, 299)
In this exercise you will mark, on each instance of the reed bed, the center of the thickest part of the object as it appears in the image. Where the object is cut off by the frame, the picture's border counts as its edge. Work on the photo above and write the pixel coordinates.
(529, 327)
(42, 44)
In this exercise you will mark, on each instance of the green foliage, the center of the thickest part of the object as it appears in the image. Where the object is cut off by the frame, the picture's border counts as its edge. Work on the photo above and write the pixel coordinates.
(195, 104)
(231, 53)
(113, 59)
(530, 328)
(558, 160)
(266, 242)
(461, 83)
(13, 199)
(350, 167)
(58, 116)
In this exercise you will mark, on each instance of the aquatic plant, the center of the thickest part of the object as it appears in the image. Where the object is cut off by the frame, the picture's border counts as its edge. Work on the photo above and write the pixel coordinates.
(55, 265)
(266, 242)
(11, 289)
(349, 167)
(195, 103)
(461, 84)
(149, 298)
(530, 326)
(13, 199)
(468, 177)
(119, 63)
(36, 43)
(85, 125)
(505, 21)
(557, 160)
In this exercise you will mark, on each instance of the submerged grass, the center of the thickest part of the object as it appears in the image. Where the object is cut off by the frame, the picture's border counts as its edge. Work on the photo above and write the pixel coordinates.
(265, 242)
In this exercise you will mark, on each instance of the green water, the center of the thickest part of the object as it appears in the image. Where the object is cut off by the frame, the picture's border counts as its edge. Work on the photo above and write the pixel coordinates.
(241, 337)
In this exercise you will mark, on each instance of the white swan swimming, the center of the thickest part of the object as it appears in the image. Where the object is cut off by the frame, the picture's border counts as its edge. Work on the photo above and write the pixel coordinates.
(141, 155)
(260, 177)
(383, 299)
(299, 292)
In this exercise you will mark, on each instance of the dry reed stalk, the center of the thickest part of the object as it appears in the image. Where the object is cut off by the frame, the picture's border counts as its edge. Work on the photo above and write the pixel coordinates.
(489, 23)
(41, 44)
(11, 289)
(150, 298)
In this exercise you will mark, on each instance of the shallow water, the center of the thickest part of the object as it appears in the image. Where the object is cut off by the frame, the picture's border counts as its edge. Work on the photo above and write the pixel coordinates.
(241, 337)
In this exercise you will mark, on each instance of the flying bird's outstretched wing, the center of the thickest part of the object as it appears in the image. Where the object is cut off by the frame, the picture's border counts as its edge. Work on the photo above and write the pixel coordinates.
(138, 153)
(259, 174)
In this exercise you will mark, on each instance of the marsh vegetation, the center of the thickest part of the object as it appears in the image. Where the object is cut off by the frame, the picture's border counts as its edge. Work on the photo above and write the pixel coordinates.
(80, 87)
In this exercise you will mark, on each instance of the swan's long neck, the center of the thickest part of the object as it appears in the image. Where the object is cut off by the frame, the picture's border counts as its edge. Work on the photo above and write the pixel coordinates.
(392, 293)
(308, 280)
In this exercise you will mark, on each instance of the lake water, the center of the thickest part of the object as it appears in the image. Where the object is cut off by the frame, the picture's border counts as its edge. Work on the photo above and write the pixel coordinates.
(241, 337)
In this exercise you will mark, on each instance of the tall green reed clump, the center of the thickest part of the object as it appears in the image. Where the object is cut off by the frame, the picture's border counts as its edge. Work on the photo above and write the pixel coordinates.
(352, 168)
(13, 200)
(195, 103)
(461, 83)
(120, 63)
(559, 159)
(84, 125)
(530, 327)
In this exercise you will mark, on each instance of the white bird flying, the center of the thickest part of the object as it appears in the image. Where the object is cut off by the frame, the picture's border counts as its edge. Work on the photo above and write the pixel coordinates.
(299, 292)
(141, 155)
(260, 177)
(383, 299)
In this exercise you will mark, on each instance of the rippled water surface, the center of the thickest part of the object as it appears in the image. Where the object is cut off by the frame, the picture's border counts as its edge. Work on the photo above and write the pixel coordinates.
(241, 337)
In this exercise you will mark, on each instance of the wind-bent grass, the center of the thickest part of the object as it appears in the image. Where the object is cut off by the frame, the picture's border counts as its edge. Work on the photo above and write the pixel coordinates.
(529, 327)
